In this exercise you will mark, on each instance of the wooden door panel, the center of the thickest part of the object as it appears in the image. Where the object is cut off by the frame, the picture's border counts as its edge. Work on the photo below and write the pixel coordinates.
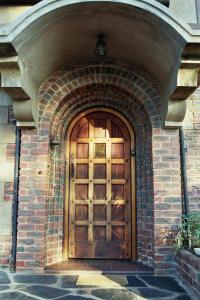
(82, 150)
(100, 194)
(99, 171)
(81, 191)
(101, 249)
(117, 171)
(117, 150)
(82, 171)
(99, 212)
(99, 191)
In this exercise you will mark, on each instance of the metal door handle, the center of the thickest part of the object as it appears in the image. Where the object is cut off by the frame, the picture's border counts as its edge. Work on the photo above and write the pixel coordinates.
(72, 166)
(73, 170)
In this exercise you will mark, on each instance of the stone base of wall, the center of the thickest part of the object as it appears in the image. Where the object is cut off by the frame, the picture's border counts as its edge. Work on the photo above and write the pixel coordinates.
(188, 268)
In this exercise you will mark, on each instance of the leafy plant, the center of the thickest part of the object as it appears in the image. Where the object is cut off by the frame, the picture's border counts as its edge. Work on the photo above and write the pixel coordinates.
(188, 236)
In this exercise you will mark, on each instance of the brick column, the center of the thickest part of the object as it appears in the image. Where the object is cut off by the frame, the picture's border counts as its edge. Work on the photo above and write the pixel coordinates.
(33, 190)
(167, 196)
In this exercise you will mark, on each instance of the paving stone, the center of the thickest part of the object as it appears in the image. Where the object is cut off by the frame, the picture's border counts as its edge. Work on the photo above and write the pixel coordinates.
(15, 296)
(3, 287)
(152, 293)
(114, 294)
(68, 281)
(134, 281)
(4, 278)
(45, 291)
(95, 280)
(74, 297)
(164, 282)
(40, 279)
(183, 297)
(127, 280)
(82, 292)
(120, 280)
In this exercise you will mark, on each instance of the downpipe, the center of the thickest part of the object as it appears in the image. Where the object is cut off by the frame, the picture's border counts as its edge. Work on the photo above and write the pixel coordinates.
(12, 262)
(183, 150)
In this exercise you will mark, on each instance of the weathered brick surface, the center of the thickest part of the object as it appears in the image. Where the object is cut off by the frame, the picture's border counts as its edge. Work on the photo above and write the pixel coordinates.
(192, 137)
(188, 267)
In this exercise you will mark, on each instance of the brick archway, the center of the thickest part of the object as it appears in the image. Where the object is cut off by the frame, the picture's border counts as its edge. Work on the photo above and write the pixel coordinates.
(128, 91)
(62, 97)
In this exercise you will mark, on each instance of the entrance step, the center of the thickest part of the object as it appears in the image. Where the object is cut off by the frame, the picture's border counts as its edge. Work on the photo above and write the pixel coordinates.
(100, 266)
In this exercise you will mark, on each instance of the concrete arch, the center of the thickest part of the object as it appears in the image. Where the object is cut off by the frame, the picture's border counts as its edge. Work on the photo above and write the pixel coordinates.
(42, 9)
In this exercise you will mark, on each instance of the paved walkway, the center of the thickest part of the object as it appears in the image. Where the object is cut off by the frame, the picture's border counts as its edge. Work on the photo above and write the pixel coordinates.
(132, 286)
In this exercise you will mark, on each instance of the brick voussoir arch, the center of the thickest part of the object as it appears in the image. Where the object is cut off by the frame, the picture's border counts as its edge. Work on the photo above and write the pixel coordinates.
(68, 83)
(98, 98)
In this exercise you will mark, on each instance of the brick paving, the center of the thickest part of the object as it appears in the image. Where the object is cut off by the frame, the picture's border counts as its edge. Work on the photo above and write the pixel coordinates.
(91, 285)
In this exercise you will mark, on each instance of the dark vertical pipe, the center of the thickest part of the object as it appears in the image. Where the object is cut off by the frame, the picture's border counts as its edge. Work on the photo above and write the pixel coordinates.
(15, 201)
(183, 150)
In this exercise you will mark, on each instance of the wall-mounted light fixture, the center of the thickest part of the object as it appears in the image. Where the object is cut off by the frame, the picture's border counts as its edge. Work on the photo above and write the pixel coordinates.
(101, 47)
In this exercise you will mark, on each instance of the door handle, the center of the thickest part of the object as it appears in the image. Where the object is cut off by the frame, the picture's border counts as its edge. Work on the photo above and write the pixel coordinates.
(73, 170)
(72, 167)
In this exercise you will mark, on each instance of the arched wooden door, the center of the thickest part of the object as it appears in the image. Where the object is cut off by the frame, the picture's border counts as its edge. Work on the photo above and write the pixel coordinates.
(100, 194)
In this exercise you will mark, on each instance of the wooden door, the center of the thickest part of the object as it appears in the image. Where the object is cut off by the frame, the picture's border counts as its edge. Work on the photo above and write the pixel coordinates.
(100, 195)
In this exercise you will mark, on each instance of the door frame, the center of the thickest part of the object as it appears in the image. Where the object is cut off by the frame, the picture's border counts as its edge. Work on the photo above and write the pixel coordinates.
(132, 183)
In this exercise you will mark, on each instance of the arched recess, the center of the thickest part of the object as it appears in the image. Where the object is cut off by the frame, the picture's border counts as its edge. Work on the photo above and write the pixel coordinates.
(67, 94)
(142, 128)
(109, 248)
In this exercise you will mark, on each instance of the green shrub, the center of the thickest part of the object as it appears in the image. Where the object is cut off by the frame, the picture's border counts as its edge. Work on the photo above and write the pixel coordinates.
(188, 236)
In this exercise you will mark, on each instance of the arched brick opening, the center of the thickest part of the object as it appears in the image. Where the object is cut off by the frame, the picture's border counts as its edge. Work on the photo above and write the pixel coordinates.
(126, 91)
(62, 97)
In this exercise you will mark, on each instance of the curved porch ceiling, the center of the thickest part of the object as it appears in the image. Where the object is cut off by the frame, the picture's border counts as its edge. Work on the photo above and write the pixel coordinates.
(53, 33)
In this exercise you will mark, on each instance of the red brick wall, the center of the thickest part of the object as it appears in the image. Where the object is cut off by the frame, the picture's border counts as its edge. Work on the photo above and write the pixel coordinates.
(192, 138)
(188, 266)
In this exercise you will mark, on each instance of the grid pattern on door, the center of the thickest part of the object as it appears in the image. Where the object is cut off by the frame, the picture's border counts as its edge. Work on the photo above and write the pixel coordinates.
(100, 195)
